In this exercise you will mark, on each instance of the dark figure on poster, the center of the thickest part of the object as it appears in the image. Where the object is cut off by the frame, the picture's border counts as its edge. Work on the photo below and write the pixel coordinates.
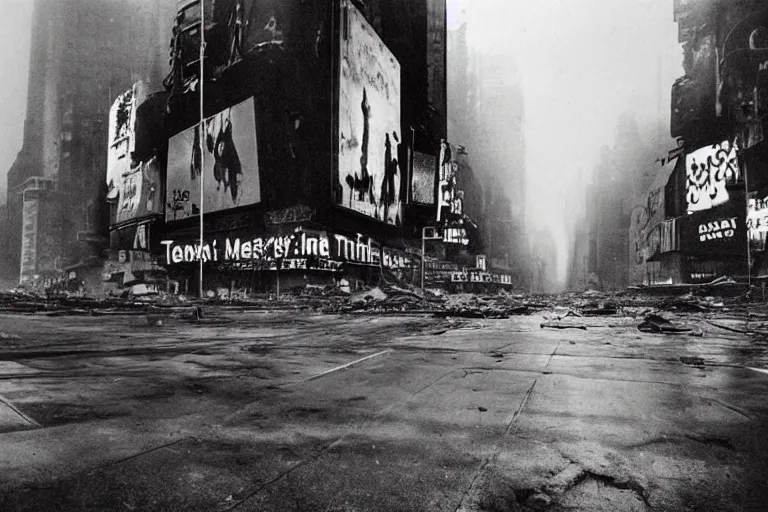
(195, 164)
(388, 189)
(364, 183)
(227, 167)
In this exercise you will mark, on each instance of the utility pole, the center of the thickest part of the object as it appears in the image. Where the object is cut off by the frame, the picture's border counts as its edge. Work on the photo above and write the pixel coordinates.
(202, 139)
(749, 249)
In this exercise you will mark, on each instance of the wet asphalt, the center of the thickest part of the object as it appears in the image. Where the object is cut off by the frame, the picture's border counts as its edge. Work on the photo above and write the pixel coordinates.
(271, 411)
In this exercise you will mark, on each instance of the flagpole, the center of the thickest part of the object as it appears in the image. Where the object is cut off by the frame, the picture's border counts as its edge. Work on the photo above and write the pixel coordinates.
(202, 139)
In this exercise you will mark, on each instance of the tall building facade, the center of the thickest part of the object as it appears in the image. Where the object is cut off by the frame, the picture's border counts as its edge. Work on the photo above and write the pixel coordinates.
(83, 52)
(319, 155)
(486, 116)
(714, 207)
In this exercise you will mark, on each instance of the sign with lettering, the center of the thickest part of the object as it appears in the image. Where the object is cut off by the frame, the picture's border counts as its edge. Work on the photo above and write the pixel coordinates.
(724, 228)
(455, 236)
(480, 277)
(302, 249)
(719, 231)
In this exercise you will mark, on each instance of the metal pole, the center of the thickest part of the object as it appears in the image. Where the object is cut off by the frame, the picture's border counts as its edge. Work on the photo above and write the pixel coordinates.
(422, 257)
(409, 194)
(202, 139)
(749, 251)
(278, 261)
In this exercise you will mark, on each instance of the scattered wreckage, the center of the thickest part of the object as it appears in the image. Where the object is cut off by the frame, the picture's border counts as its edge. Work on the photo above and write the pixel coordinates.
(685, 314)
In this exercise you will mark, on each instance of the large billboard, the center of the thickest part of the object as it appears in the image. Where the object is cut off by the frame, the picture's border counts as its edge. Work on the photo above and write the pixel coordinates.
(231, 170)
(369, 121)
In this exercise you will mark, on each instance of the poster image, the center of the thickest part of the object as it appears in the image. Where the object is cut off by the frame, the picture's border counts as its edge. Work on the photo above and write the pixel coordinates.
(229, 166)
(369, 121)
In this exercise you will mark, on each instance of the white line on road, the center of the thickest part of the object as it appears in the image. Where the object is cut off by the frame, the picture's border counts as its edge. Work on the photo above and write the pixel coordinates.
(761, 370)
(377, 354)
(15, 409)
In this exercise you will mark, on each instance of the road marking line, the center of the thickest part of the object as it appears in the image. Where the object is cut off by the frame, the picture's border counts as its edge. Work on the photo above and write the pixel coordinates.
(761, 370)
(377, 354)
(15, 409)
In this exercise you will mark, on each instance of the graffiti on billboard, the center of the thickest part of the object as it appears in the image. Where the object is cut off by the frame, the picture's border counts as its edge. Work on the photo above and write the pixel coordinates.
(369, 121)
(423, 179)
(139, 192)
(231, 165)
(122, 124)
(708, 170)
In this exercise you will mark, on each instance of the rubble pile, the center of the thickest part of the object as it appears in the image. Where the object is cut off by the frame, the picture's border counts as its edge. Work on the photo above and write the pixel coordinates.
(388, 299)
(674, 314)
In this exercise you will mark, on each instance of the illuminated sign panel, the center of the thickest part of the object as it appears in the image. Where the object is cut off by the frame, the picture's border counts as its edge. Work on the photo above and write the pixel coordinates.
(307, 249)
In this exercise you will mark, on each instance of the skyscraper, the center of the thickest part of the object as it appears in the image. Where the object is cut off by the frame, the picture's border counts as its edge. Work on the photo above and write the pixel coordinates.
(83, 53)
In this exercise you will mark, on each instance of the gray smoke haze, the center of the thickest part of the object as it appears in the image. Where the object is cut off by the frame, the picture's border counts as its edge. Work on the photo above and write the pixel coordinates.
(14, 58)
(582, 64)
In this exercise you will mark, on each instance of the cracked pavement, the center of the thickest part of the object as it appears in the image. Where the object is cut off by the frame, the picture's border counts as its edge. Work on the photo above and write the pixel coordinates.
(278, 411)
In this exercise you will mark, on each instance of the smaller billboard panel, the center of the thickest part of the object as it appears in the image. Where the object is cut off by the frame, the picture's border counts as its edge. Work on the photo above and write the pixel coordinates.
(719, 231)
(708, 170)
(122, 140)
(423, 179)
(139, 192)
(231, 169)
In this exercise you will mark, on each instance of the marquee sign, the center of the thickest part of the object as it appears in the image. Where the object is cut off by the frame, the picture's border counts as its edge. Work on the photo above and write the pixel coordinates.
(302, 249)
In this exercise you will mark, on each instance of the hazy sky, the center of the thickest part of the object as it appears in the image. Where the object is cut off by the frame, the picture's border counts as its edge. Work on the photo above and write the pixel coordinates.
(14, 62)
(582, 63)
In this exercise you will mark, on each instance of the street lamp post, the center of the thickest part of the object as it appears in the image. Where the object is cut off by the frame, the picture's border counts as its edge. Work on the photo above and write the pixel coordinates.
(202, 139)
